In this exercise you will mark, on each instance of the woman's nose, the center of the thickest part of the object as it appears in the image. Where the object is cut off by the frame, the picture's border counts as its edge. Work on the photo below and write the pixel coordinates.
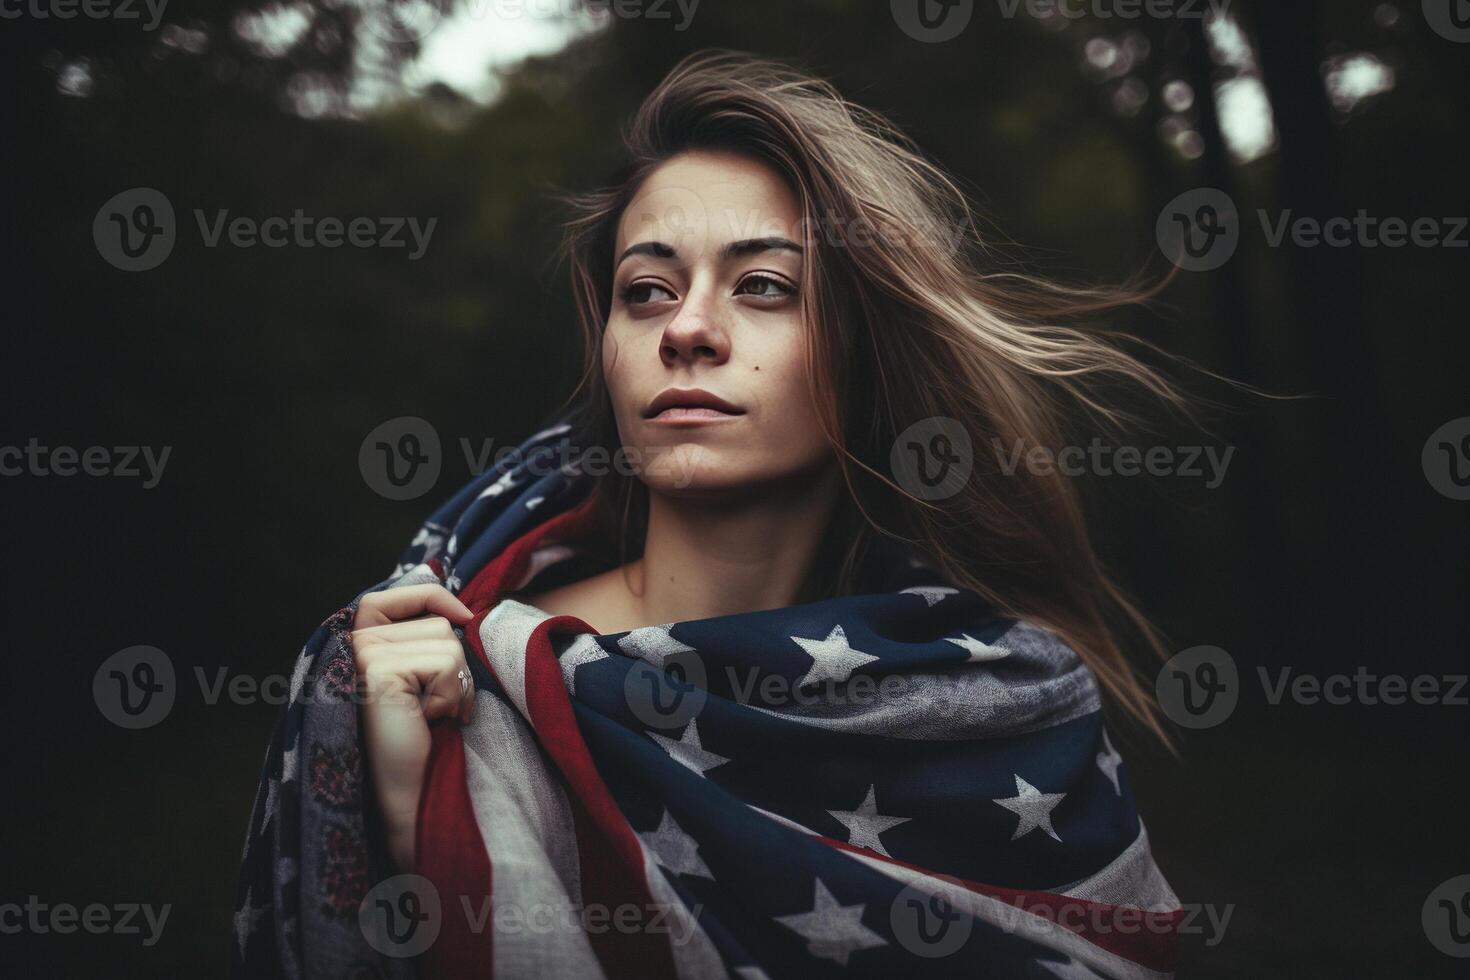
(694, 334)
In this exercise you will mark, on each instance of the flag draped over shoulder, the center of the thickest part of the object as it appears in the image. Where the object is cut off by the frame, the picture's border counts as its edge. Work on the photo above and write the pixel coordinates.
(881, 784)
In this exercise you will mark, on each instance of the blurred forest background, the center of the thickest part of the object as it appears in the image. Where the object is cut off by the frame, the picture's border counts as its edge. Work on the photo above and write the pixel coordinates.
(1325, 548)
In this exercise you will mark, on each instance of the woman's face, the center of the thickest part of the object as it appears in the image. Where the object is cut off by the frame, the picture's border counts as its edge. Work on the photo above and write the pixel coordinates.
(704, 351)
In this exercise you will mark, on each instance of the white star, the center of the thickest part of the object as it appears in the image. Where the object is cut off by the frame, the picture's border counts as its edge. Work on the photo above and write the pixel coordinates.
(978, 650)
(751, 973)
(675, 849)
(865, 823)
(931, 593)
(289, 768)
(531, 504)
(584, 650)
(426, 538)
(245, 919)
(832, 659)
(653, 644)
(1108, 760)
(1033, 807)
(688, 752)
(832, 930)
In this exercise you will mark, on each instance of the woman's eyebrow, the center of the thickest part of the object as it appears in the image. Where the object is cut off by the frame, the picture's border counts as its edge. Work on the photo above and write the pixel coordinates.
(750, 246)
(658, 250)
(734, 250)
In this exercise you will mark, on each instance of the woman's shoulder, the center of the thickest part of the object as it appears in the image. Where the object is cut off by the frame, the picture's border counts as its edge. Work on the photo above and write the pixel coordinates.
(599, 600)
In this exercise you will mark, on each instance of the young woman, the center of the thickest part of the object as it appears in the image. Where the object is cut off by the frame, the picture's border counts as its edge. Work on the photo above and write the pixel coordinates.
(761, 660)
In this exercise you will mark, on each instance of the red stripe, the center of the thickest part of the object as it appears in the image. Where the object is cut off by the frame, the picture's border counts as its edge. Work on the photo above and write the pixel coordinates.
(453, 855)
(450, 851)
(609, 853)
(1147, 938)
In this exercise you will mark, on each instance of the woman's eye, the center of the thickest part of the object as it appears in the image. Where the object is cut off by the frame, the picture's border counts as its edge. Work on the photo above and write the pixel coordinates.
(764, 287)
(645, 292)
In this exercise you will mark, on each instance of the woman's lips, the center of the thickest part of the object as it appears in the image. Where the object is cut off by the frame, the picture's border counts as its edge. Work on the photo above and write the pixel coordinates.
(682, 414)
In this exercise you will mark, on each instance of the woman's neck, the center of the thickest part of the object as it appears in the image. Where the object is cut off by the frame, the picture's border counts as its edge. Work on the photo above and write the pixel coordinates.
(715, 557)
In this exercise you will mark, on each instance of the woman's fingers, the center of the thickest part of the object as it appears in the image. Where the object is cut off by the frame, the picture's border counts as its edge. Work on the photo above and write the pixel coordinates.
(393, 605)
(424, 628)
(424, 671)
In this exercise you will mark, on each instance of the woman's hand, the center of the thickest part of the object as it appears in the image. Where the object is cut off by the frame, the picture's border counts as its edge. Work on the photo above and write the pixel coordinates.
(410, 663)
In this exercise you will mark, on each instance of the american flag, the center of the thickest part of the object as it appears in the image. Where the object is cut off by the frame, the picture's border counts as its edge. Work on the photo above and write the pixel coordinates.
(887, 784)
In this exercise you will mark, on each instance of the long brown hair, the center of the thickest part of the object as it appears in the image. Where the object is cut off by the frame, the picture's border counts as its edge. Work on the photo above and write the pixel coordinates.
(904, 326)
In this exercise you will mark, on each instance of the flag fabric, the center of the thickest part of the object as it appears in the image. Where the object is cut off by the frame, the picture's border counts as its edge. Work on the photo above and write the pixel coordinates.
(881, 784)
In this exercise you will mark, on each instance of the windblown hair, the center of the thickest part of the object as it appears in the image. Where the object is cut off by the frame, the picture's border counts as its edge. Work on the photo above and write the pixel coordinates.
(904, 325)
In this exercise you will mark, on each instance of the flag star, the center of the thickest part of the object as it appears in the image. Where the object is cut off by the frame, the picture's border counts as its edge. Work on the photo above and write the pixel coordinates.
(531, 504)
(833, 659)
(932, 594)
(289, 766)
(865, 824)
(1033, 807)
(675, 849)
(584, 650)
(653, 644)
(246, 918)
(501, 485)
(978, 650)
(426, 538)
(751, 973)
(832, 930)
(1108, 760)
(688, 752)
